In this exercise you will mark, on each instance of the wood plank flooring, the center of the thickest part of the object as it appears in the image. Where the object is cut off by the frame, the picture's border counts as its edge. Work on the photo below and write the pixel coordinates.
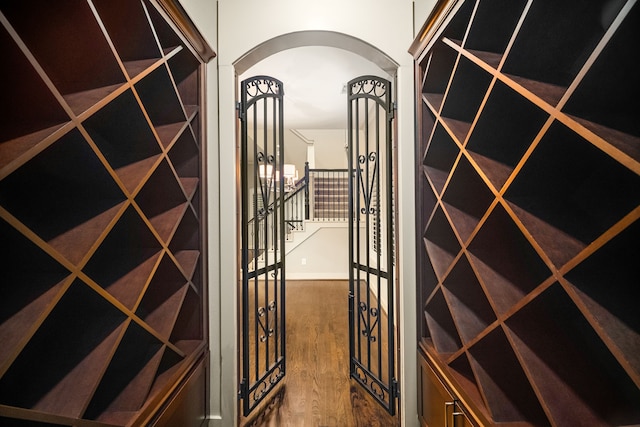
(317, 390)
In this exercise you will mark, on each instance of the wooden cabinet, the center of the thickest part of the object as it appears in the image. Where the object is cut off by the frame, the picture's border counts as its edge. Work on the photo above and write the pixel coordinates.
(528, 207)
(103, 296)
(437, 406)
(188, 406)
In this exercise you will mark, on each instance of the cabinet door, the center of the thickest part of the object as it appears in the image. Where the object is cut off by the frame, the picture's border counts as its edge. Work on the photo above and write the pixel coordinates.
(437, 407)
(188, 407)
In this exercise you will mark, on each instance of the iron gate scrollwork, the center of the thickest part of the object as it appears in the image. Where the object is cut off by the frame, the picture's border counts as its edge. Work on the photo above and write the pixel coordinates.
(371, 256)
(263, 239)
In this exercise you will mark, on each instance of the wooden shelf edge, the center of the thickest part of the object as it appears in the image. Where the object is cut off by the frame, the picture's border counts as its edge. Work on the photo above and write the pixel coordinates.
(81, 381)
(602, 321)
(37, 311)
(17, 151)
(432, 25)
(620, 146)
(179, 17)
(33, 415)
(163, 317)
(160, 399)
(88, 101)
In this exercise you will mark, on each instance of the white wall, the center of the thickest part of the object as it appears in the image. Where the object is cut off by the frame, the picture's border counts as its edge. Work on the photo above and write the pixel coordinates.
(323, 255)
(422, 10)
(236, 28)
(329, 147)
(386, 24)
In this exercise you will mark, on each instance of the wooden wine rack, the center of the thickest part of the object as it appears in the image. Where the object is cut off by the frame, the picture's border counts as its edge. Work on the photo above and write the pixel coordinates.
(103, 298)
(528, 205)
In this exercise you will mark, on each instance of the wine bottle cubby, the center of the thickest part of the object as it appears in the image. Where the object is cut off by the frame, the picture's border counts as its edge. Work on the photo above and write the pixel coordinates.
(528, 201)
(103, 303)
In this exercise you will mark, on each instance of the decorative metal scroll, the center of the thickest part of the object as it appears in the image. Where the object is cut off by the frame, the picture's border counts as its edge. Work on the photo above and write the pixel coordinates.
(372, 344)
(263, 239)
(368, 315)
(368, 187)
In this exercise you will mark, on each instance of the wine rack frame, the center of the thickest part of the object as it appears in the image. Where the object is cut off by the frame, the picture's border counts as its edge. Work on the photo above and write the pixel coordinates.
(103, 303)
(528, 207)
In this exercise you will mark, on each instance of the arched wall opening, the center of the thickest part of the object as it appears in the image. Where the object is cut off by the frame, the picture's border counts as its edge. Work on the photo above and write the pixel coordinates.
(325, 251)
(228, 160)
(315, 38)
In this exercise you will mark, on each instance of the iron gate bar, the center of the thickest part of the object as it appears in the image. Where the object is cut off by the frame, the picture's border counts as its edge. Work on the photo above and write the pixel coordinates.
(268, 241)
(365, 201)
(371, 270)
(264, 270)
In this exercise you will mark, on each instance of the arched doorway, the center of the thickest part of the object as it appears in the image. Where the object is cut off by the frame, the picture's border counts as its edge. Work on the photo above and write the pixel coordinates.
(316, 38)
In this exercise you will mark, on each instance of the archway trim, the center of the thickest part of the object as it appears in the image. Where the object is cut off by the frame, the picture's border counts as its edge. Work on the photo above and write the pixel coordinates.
(315, 38)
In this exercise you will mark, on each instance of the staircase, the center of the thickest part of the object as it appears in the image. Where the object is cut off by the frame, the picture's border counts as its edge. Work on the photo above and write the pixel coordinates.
(319, 199)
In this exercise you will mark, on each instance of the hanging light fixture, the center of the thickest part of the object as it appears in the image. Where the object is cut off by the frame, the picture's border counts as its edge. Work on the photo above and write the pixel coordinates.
(265, 171)
(290, 176)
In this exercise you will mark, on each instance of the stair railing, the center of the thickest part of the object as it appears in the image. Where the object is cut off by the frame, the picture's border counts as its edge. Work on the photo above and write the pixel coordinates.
(295, 205)
(320, 195)
(328, 191)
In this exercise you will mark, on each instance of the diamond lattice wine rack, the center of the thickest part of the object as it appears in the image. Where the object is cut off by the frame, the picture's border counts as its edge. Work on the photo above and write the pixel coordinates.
(102, 301)
(528, 206)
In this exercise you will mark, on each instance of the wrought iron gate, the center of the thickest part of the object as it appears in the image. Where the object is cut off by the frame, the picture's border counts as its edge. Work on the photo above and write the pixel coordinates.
(263, 239)
(371, 257)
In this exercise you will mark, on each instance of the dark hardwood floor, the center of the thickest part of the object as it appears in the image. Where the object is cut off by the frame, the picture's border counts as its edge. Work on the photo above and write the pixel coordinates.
(317, 390)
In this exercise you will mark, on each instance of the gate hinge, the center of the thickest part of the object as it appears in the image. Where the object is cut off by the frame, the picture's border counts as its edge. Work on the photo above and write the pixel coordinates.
(395, 391)
(239, 110)
(392, 113)
(241, 389)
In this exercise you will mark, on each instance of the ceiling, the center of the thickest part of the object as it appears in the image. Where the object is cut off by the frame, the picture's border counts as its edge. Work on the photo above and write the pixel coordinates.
(315, 99)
